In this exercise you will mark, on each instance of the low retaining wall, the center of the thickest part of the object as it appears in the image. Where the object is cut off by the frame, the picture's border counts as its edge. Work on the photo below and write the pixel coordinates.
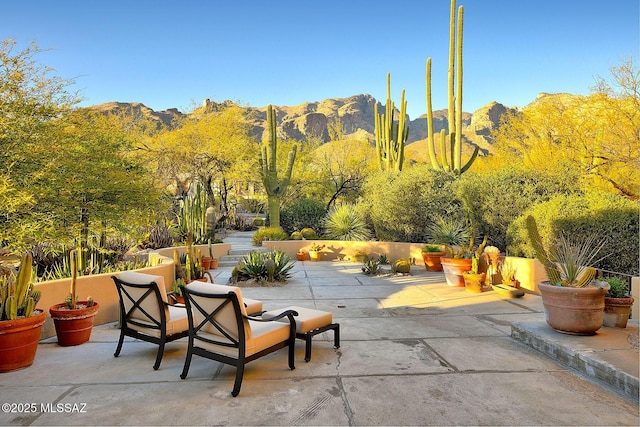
(103, 291)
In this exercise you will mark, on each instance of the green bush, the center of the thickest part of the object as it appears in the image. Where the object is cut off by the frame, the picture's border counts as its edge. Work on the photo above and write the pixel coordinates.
(346, 223)
(269, 233)
(607, 216)
(401, 206)
(303, 213)
(493, 201)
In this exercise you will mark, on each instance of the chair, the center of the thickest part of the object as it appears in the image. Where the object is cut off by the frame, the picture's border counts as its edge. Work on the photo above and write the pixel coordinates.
(219, 329)
(145, 313)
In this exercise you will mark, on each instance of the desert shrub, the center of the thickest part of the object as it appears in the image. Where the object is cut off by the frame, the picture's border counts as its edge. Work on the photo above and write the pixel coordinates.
(401, 206)
(493, 201)
(303, 213)
(605, 215)
(345, 222)
(269, 233)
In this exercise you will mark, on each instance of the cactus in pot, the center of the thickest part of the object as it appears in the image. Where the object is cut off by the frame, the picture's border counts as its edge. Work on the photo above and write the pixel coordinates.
(73, 319)
(17, 296)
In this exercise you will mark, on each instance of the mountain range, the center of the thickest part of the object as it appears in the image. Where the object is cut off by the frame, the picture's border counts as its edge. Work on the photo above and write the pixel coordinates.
(312, 119)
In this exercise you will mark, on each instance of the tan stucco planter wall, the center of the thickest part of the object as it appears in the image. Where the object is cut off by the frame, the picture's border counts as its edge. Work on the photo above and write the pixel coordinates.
(102, 289)
(338, 249)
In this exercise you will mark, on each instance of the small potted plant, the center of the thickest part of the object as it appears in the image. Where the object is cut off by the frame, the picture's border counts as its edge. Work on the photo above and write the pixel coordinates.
(508, 274)
(432, 255)
(491, 256)
(474, 279)
(456, 262)
(73, 319)
(302, 255)
(617, 303)
(175, 296)
(214, 260)
(20, 321)
(314, 251)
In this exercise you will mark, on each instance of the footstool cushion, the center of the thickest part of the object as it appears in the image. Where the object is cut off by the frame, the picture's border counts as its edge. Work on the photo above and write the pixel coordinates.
(309, 322)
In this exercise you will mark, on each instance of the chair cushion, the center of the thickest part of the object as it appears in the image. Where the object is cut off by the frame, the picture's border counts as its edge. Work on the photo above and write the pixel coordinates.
(252, 306)
(177, 322)
(264, 335)
(210, 288)
(307, 319)
(143, 279)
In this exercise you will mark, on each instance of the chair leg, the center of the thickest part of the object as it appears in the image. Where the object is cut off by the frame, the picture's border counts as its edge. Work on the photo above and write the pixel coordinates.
(238, 382)
(307, 348)
(159, 356)
(336, 335)
(187, 363)
(120, 341)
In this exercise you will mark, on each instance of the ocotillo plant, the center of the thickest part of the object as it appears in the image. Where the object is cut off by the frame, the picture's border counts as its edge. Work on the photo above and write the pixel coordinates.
(274, 186)
(391, 137)
(452, 161)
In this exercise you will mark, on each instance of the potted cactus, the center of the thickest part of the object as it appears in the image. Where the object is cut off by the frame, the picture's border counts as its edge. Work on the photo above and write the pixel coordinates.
(456, 262)
(474, 279)
(73, 319)
(20, 321)
(573, 300)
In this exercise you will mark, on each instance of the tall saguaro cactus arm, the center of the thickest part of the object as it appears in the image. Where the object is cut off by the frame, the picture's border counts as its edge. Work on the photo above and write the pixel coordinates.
(274, 186)
(391, 137)
(453, 161)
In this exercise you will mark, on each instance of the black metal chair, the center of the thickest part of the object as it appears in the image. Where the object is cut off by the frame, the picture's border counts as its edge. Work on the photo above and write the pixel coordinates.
(221, 330)
(145, 313)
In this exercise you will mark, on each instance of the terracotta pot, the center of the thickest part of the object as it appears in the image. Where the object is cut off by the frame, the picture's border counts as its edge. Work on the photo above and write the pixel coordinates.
(432, 260)
(19, 341)
(214, 263)
(73, 327)
(453, 269)
(206, 263)
(576, 311)
(302, 256)
(474, 282)
(616, 311)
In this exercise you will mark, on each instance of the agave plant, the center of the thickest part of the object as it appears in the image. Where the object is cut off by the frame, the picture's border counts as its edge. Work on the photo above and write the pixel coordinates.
(346, 223)
(264, 266)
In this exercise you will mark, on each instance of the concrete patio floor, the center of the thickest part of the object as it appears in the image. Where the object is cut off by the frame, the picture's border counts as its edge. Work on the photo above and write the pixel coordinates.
(414, 351)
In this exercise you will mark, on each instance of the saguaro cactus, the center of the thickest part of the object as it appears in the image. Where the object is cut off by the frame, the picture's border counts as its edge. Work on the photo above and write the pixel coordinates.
(453, 161)
(274, 186)
(391, 137)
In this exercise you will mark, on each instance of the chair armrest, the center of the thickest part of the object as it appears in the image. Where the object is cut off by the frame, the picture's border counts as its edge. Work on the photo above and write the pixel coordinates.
(287, 313)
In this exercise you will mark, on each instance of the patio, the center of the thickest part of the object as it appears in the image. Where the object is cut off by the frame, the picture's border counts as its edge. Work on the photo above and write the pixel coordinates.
(414, 351)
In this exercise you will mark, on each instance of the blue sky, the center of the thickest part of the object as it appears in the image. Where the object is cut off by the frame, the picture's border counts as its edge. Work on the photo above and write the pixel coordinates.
(169, 54)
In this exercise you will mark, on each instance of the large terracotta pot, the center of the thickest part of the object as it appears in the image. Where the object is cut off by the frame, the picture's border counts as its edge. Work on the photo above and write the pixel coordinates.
(432, 260)
(576, 311)
(453, 269)
(616, 311)
(19, 341)
(73, 327)
(206, 263)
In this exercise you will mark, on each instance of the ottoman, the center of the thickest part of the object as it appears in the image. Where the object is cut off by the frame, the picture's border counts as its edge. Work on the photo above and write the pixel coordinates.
(309, 322)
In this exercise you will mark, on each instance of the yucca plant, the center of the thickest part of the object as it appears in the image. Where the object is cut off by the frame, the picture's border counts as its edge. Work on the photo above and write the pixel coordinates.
(346, 223)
